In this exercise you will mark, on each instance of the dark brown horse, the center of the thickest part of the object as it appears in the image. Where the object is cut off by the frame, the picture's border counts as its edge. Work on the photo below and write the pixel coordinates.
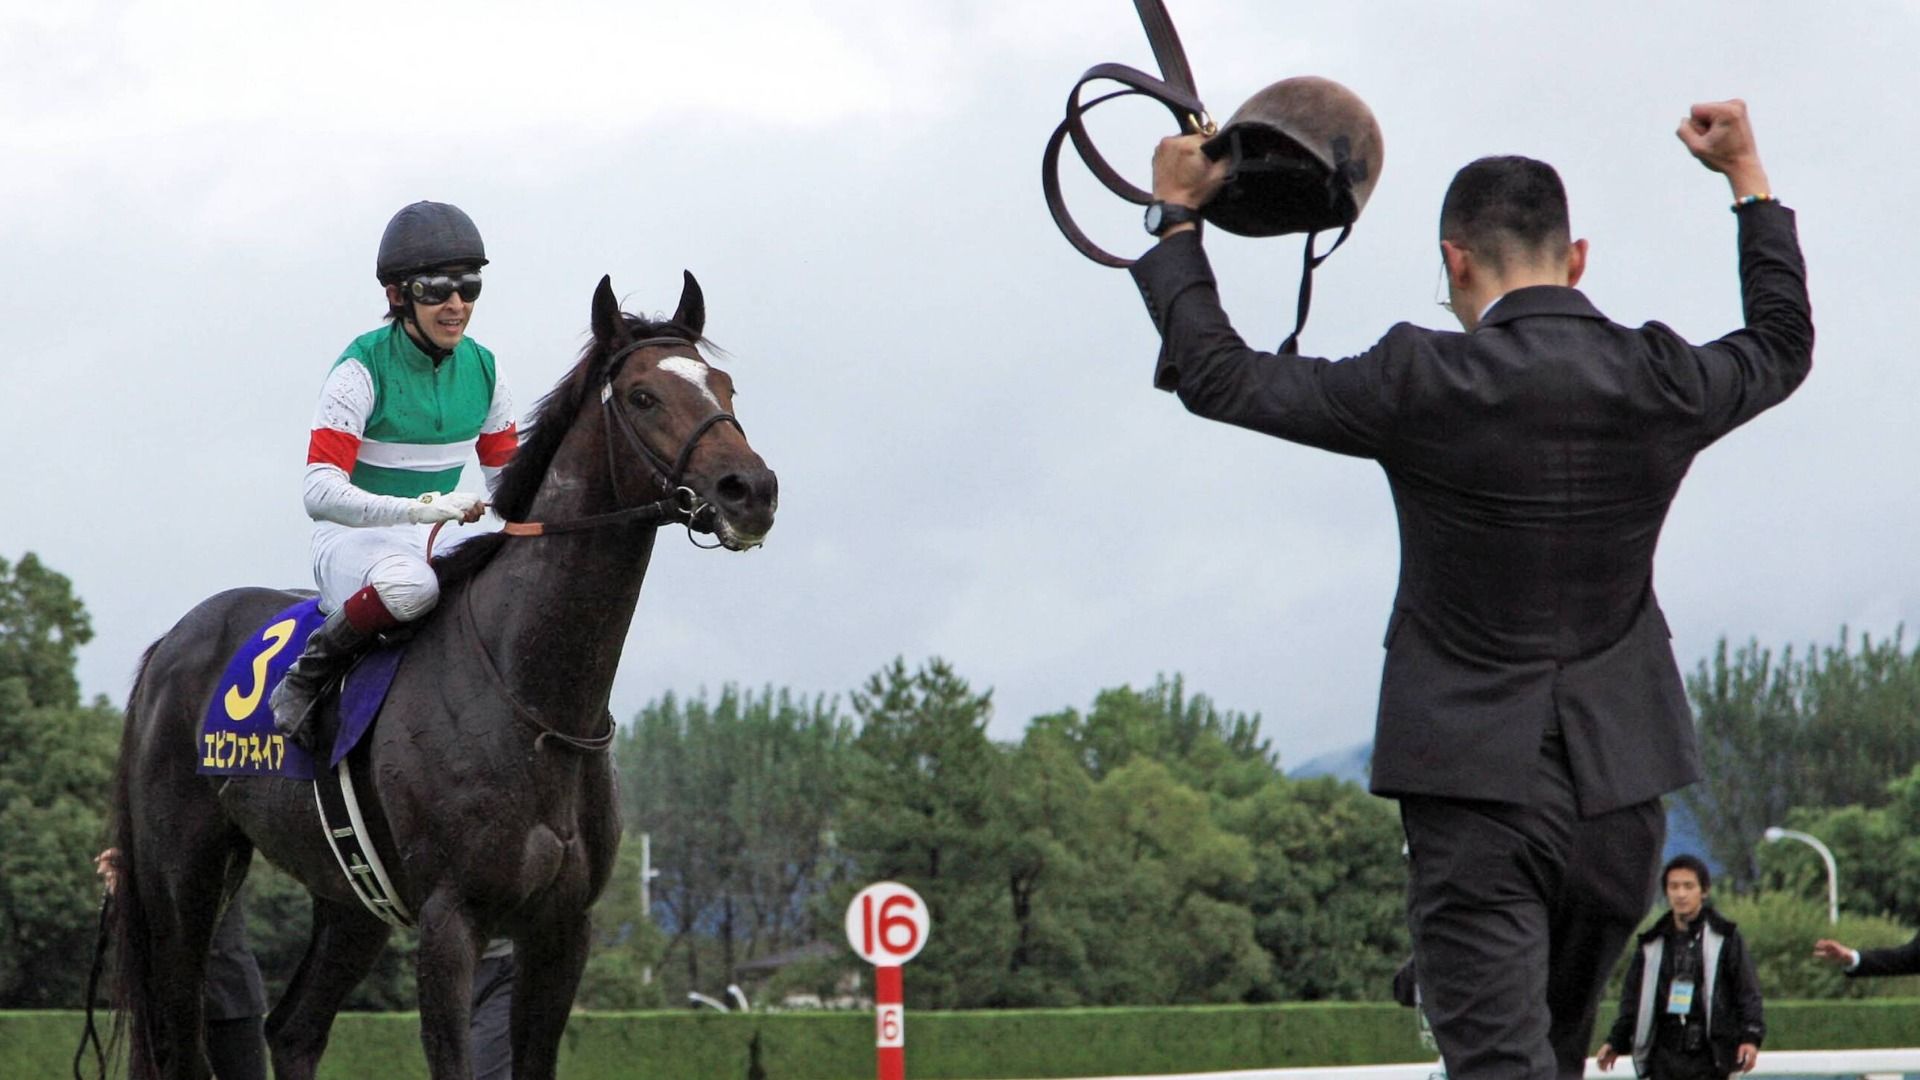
(487, 829)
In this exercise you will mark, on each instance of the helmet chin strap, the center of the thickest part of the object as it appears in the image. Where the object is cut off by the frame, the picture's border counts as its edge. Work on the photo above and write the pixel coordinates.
(425, 343)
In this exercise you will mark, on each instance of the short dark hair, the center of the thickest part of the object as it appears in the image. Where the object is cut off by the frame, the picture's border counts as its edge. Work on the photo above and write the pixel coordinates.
(1688, 862)
(1497, 207)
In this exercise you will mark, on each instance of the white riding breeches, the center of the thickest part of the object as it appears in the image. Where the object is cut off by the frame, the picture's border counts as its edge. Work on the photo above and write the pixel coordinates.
(391, 558)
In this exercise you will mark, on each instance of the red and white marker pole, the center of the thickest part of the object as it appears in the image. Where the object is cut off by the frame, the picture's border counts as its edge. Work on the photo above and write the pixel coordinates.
(889, 1023)
(887, 925)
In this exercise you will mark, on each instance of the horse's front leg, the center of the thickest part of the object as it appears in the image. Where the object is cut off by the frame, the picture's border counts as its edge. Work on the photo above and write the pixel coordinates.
(547, 967)
(443, 971)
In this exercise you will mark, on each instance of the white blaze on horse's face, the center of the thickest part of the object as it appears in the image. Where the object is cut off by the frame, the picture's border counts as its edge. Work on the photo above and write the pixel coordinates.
(694, 371)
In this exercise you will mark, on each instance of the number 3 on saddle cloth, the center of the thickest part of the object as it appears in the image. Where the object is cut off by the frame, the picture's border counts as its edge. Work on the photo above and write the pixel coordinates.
(237, 737)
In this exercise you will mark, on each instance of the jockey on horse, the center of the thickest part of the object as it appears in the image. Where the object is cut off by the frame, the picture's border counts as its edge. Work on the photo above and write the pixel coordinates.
(400, 411)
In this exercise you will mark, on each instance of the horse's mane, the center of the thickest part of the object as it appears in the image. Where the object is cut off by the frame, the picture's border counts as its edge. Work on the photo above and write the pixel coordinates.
(540, 440)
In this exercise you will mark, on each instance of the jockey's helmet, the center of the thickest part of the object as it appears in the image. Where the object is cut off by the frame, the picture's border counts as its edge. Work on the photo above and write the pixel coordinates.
(426, 236)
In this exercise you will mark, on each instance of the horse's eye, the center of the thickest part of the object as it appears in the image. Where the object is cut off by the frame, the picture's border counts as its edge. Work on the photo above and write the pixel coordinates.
(642, 400)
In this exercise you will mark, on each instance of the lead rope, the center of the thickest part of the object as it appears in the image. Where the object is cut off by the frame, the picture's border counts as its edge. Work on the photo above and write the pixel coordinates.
(596, 744)
(91, 1034)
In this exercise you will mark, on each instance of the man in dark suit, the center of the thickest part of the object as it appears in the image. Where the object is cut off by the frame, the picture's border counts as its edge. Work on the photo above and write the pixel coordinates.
(1531, 713)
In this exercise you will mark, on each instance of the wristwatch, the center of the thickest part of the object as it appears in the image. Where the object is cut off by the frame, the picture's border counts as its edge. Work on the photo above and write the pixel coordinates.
(1162, 216)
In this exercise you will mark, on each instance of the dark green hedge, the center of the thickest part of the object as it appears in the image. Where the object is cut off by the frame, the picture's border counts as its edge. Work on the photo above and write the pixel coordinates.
(958, 1046)
(1856, 1024)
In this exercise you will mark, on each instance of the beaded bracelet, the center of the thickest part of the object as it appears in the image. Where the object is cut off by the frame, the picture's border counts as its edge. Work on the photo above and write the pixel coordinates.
(1749, 200)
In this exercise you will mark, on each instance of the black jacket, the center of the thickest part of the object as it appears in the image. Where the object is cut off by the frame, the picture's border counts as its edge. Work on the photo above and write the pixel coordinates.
(1532, 463)
(1735, 1014)
(1899, 960)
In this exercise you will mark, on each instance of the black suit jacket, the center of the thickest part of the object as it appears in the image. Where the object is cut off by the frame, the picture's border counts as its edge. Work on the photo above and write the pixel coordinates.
(1531, 462)
(1899, 960)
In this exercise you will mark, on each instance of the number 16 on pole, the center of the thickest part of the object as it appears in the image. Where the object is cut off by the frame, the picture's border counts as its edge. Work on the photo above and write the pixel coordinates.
(887, 925)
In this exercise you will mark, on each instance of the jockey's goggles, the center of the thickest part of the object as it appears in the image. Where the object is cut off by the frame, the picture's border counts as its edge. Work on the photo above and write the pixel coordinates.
(438, 288)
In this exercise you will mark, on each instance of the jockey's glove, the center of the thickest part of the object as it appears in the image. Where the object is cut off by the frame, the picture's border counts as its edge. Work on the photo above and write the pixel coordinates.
(451, 506)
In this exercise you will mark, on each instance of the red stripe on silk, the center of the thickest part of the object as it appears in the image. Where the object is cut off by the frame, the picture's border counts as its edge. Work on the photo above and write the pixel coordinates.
(496, 448)
(331, 447)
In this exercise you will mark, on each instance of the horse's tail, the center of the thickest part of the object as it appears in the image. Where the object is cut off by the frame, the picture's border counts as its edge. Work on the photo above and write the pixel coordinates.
(127, 928)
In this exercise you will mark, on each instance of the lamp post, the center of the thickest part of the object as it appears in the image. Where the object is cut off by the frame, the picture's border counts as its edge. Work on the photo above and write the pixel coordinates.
(1775, 832)
(647, 874)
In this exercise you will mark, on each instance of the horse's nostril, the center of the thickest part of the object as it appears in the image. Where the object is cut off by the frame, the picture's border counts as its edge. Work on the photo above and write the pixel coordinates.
(733, 489)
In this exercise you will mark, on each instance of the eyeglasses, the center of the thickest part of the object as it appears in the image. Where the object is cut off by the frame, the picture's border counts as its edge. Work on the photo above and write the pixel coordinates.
(1440, 294)
(438, 288)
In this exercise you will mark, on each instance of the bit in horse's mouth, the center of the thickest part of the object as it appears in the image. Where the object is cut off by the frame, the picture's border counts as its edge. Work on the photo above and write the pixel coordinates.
(708, 519)
(733, 541)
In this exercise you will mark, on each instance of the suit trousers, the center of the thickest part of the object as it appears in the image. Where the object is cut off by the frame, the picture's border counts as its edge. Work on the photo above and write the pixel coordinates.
(491, 1029)
(1518, 914)
(235, 1001)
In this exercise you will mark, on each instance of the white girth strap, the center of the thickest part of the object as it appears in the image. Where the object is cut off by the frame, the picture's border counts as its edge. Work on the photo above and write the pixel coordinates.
(360, 862)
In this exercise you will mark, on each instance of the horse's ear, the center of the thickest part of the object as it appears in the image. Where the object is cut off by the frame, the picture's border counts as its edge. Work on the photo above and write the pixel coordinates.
(692, 312)
(607, 324)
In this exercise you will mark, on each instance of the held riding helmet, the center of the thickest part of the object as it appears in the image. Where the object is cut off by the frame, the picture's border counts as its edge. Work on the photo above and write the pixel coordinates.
(1303, 155)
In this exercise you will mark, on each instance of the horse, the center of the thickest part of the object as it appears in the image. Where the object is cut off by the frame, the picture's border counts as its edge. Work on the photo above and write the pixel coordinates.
(485, 781)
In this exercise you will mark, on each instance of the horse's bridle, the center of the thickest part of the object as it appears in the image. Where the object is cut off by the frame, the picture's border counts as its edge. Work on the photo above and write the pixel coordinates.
(682, 504)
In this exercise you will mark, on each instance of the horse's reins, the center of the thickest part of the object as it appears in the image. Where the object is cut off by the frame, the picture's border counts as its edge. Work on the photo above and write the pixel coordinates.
(681, 504)
(1174, 90)
(91, 1034)
(596, 744)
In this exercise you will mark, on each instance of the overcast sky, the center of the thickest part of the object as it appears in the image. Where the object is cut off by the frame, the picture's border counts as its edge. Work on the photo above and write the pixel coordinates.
(973, 463)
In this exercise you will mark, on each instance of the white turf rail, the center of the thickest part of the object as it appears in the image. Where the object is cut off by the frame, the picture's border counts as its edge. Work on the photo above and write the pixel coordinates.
(1870, 1064)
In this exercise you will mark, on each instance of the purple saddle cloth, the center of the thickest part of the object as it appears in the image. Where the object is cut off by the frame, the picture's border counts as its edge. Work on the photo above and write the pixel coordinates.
(237, 736)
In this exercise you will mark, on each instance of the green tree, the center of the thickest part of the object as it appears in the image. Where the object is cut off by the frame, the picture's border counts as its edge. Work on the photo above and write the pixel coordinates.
(1329, 893)
(1748, 718)
(1162, 856)
(1829, 726)
(738, 796)
(924, 803)
(1876, 849)
(1162, 722)
(1168, 929)
(41, 624)
(54, 784)
(627, 945)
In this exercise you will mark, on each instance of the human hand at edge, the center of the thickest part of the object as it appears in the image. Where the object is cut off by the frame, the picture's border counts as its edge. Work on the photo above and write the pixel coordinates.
(107, 865)
(1832, 952)
(1747, 1057)
(1719, 134)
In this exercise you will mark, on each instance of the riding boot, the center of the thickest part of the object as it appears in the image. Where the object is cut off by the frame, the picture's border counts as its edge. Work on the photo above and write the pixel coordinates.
(329, 651)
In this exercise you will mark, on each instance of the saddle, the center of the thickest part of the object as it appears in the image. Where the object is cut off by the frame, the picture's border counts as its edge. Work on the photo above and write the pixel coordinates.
(237, 735)
(238, 738)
